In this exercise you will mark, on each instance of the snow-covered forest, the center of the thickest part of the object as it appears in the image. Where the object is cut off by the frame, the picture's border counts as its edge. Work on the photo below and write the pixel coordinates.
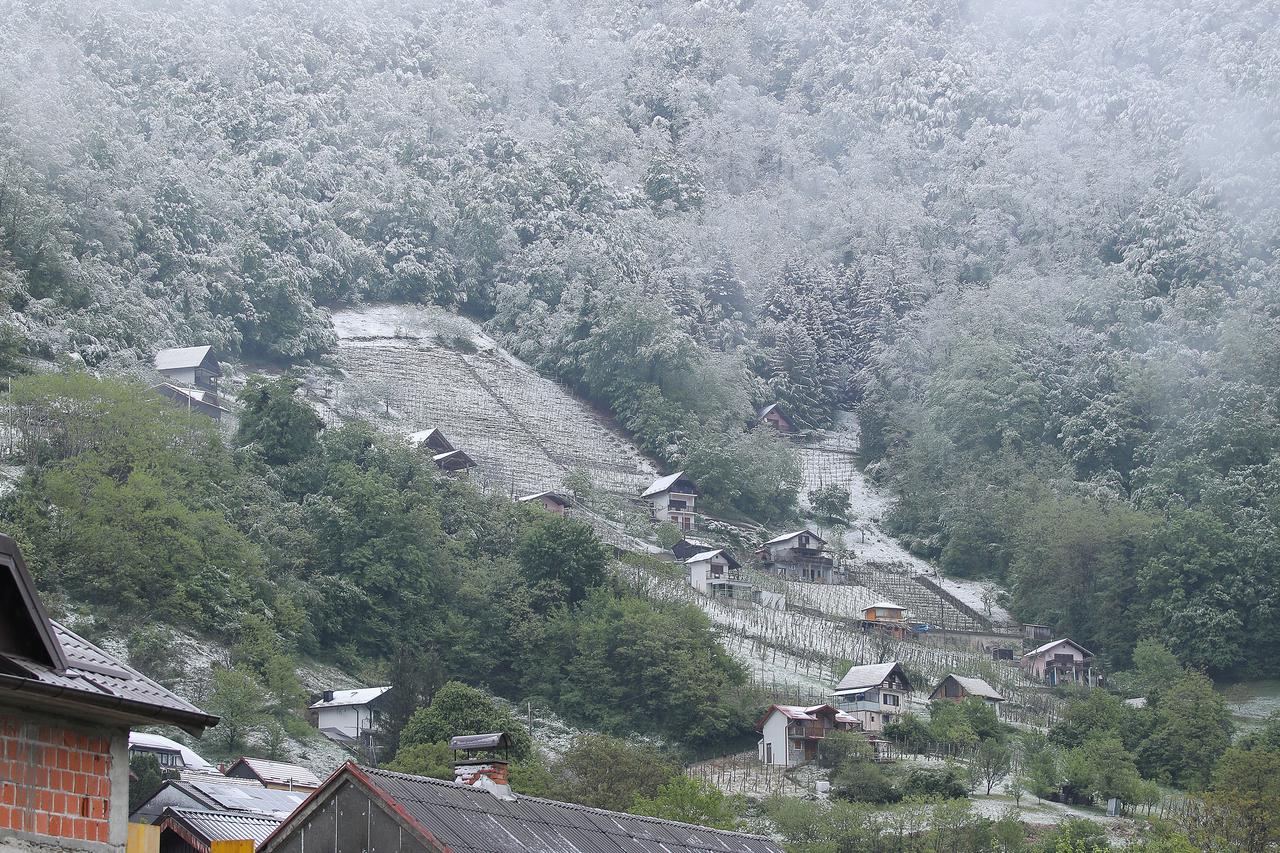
(1032, 244)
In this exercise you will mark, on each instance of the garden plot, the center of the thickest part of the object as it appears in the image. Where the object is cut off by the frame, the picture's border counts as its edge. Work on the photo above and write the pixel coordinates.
(411, 368)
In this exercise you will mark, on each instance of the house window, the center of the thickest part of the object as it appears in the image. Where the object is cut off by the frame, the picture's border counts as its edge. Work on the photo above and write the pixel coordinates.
(873, 718)
(890, 699)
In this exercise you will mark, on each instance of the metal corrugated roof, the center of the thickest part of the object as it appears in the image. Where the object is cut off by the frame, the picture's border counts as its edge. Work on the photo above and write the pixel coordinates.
(976, 687)
(226, 826)
(1049, 645)
(232, 795)
(784, 537)
(471, 820)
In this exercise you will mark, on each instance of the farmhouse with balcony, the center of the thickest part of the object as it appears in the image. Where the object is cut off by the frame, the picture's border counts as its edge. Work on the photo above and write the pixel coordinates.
(66, 707)
(348, 716)
(716, 574)
(361, 808)
(957, 688)
(873, 694)
(1061, 662)
(277, 775)
(773, 415)
(550, 501)
(798, 556)
(673, 498)
(792, 734)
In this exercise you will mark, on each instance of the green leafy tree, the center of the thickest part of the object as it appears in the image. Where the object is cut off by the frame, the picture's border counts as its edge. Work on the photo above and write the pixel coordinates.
(692, 801)
(275, 419)
(1192, 729)
(561, 560)
(609, 773)
(145, 778)
(241, 705)
(457, 709)
(830, 501)
(993, 761)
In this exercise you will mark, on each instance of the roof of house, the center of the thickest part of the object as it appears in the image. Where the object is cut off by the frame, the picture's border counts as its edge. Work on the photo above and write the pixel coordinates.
(711, 555)
(883, 605)
(800, 712)
(231, 794)
(53, 667)
(868, 675)
(784, 537)
(442, 459)
(767, 409)
(148, 741)
(973, 686)
(467, 819)
(429, 436)
(342, 698)
(221, 826)
(1049, 645)
(554, 496)
(179, 358)
(277, 772)
(197, 395)
(662, 484)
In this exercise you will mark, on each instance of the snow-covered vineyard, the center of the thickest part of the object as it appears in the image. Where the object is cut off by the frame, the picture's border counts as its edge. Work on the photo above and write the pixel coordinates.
(524, 431)
(800, 656)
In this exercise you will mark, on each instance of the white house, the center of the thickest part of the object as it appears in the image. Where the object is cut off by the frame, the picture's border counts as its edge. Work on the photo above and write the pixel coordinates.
(798, 555)
(195, 367)
(1061, 662)
(347, 715)
(716, 574)
(550, 501)
(873, 694)
(673, 498)
(791, 734)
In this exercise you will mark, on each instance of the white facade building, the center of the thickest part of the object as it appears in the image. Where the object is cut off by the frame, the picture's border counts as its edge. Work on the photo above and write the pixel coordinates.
(792, 734)
(874, 694)
(347, 714)
(673, 498)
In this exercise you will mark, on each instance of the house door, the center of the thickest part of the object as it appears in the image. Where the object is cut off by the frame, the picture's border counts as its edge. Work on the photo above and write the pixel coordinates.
(768, 753)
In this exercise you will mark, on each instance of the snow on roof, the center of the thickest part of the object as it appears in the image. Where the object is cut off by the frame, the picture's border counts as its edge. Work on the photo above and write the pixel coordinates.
(451, 456)
(767, 409)
(861, 677)
(278, 772)
(555, 496)
(1049, 645)
(178, 358)
(343, 698)
(711, 555)
(428, 436)
(148, 741)
(784, 537)
(883, 605)
(662, 484)
(975, 687)
(1137, 703)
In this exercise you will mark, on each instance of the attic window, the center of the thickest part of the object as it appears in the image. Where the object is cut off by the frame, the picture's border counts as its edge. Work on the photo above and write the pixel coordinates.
(23, 628)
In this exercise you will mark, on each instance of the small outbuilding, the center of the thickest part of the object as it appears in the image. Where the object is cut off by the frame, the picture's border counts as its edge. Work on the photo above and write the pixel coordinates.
(432, 440)
(277, 775)
(454, 462)
(774, 416)
(550, 501)
(957, 688)
(193, 831)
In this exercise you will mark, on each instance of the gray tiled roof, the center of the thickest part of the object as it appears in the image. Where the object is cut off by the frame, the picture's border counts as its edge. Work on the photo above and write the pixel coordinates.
(472, 820)
(97, 678)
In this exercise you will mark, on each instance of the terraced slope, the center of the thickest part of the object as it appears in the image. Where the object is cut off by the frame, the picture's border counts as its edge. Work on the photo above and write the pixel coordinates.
(524, 431)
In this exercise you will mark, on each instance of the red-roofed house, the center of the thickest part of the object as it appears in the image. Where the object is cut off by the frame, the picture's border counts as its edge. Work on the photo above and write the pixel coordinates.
(791, 734)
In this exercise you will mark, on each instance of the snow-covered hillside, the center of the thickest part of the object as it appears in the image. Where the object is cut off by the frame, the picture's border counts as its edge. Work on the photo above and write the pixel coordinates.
(408, 368)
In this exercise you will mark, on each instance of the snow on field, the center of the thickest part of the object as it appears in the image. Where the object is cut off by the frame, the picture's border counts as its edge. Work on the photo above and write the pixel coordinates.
(831, 457)
(404, 366)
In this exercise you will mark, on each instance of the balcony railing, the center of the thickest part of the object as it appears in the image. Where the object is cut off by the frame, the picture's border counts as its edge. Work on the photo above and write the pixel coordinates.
(813, 732)
(862, 705)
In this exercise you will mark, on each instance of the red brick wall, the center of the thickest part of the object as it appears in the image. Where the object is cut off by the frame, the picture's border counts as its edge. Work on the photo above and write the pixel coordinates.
(54, 780)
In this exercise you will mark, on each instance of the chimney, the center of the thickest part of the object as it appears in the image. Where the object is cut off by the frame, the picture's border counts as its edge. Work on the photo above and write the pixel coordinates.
(483, 763)
(328, 696)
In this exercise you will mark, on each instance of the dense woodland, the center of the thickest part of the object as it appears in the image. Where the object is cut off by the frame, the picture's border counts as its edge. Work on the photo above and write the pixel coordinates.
(1031, 243)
